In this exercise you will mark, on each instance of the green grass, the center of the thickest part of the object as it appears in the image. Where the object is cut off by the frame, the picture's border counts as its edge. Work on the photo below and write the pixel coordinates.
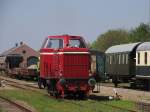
(1, 109)
(43, 103)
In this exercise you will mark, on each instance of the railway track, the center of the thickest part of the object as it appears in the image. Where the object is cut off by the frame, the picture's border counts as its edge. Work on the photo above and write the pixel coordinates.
(35, 89)
(92, 102)
(121, 85)
(17, 105)
(116, 107)
(20, 85)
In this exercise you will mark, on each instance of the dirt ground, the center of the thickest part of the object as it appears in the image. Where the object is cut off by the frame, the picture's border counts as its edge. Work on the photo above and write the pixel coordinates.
(127, 94)
(6, 87)
(19, 81)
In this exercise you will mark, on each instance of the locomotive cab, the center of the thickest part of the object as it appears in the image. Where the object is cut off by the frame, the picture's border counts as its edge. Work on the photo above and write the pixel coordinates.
(65, 65)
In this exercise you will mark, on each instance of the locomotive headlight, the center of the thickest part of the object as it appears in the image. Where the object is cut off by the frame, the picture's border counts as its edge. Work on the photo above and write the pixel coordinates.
(92, 82)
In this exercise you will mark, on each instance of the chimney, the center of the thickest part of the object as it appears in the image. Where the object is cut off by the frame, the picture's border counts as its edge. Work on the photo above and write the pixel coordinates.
(21, 43)
(16, 45)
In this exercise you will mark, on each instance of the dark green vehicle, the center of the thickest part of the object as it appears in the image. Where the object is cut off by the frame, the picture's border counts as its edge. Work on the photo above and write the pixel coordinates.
(98, 64)
(97, 67)
(121, 62)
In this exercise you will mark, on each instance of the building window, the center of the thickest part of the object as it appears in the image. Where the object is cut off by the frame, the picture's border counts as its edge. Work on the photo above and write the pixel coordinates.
(145, 56)
(138, 58)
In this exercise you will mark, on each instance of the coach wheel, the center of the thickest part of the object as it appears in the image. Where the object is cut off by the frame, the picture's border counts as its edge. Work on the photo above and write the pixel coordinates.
(115, 81)
(116, 84)
(18, 77)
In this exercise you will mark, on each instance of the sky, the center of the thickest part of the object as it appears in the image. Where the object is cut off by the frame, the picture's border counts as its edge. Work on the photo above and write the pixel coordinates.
(31, 21)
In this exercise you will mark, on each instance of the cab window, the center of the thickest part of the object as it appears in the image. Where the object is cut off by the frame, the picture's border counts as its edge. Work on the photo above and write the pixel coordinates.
(145, 56)
(54, 43)
(76, 43)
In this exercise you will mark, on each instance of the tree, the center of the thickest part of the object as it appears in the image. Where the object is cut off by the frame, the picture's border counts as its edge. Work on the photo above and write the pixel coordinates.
(110, 38)
(141, 33)
(120, 36)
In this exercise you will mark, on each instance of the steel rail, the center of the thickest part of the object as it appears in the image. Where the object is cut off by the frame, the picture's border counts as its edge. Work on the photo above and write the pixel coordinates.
(23, 108)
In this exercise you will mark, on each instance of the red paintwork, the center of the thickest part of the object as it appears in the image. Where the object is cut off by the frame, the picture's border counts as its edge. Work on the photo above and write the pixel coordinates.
(55, 64)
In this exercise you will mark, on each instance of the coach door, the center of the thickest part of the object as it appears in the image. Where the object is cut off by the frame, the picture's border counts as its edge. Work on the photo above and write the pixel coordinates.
(100, 60)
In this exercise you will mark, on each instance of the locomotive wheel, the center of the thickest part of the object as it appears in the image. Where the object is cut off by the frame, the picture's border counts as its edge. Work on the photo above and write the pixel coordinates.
(56, 94)
(51, 89)
(81, 95)
(18, 77)
(39, 83)
(116, 84)
(44, 83)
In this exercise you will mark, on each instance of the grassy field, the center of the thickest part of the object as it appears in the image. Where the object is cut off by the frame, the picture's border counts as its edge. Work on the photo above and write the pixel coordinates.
(43, 103)
(1, 110)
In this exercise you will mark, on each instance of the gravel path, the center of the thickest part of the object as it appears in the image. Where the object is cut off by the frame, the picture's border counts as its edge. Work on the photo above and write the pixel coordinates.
(19, 81)
(127, 94)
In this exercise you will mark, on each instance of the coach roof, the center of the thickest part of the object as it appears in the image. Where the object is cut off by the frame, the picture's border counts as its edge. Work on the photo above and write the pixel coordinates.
(144, 46)
(122, 48)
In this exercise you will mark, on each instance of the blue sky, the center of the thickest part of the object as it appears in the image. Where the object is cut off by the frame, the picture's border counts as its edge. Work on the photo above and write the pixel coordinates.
(32, 20)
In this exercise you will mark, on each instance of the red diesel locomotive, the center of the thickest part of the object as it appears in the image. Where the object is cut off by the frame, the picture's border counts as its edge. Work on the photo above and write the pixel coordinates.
(65, 66)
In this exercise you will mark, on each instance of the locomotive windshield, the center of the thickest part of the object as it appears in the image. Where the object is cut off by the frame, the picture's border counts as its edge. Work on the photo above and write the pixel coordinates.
(76, 43)
(54, 43)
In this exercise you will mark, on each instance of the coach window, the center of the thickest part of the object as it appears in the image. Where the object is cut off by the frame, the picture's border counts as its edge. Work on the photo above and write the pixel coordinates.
(126, 58)
(54, 43)
(122, 58)
(119, 59)
(138, 58)
(145, 56)
(115, 56)
(110, 59)
(107, 59)
(114, 59)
